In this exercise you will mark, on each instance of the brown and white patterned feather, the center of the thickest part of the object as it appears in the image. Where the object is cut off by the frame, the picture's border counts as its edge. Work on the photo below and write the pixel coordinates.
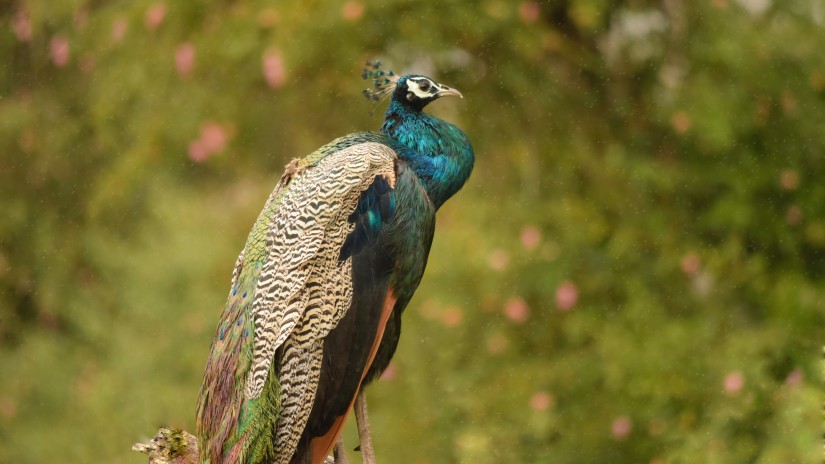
(304, 290)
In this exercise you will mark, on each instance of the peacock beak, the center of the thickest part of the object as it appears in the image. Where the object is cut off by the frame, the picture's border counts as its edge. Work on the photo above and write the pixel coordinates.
(444, 90)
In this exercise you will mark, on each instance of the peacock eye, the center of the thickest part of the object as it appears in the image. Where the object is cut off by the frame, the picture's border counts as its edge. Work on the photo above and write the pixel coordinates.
(424, 86)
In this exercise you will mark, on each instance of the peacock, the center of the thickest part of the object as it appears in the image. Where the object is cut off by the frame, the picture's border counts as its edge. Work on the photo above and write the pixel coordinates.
(314, 308)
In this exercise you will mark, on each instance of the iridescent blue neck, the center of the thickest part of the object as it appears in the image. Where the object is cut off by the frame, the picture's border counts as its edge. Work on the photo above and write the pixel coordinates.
(440, 153)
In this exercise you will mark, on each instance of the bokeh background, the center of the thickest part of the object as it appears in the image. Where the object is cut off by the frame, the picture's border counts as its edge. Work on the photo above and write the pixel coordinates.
(635, 272)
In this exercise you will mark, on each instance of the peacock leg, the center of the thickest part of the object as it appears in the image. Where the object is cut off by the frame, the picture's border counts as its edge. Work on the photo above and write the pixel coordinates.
(367, 453)
(339, 452)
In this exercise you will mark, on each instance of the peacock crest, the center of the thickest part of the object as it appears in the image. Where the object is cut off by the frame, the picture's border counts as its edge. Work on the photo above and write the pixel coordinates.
(383, 81)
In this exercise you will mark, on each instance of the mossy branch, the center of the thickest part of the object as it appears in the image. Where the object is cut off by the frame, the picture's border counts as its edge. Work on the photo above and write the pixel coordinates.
(170, 446)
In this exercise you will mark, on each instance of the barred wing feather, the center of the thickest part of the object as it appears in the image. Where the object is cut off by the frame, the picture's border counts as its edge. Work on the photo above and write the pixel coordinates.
(302, 289)
(306, 290)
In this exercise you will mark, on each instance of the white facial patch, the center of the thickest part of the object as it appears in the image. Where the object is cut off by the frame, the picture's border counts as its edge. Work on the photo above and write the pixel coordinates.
(413, 85)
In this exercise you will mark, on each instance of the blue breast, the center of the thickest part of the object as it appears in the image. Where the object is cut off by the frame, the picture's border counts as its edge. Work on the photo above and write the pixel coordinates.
(439, 152)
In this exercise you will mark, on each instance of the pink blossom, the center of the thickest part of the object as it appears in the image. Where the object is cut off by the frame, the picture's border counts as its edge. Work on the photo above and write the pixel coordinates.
(155, 16)
(566, 295)
(530, 237)
(213, 139)
(352, 10)
(185, 59)
(273, 68)
(529, 11)
(621, 427)
(789, 179)
(516, 310)
(452, 316)
(541, 401)
(498, 260)
(680, 122)
(795, 377)
(734, 382)
(794, 215)
(691, 264)
(59, 47)
(21, 25)
(119, 28)
(197, 151)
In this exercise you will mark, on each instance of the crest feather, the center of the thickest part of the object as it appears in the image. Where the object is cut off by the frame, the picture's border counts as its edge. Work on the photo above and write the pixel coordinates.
(383, 81)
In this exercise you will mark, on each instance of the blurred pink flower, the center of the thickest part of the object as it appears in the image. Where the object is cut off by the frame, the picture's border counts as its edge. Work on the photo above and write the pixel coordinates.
(795, 377)
(198, 152)
(734, 382)
(273, 68)
(452, 316)
(691, 264)
(680, 122)
(541, 401)
(516, 310)
(566, 295)
(119, 28)
(185, 59)
(59, 48)
(214, 136)
(789, 179)
(529, 11)
(621, 427)
(213, 139)
(21, 25)
(530, 237)
(352, 10)
(794, 215)
(389, 372)
(155, 16)
(498, 260)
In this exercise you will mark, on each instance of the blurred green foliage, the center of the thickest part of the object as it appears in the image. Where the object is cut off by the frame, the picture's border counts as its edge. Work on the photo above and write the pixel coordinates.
(634, 273)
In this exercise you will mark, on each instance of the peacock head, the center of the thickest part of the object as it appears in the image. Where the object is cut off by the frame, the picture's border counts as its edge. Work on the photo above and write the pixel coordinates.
(413, 91)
